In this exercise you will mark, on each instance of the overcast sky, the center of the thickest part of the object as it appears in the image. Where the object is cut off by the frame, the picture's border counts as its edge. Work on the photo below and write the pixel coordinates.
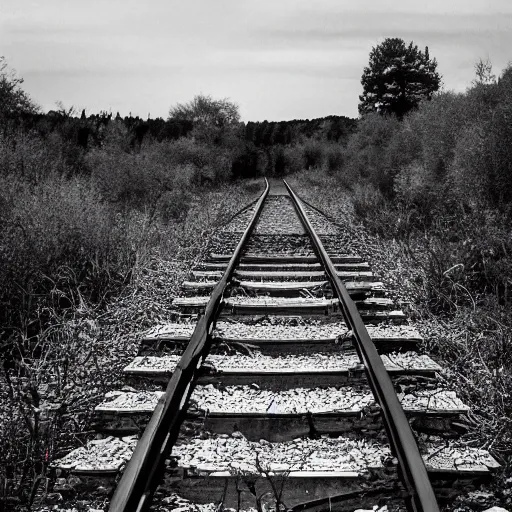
(278, 59)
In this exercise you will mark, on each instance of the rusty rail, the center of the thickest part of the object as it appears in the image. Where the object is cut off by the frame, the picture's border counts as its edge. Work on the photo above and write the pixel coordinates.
(420, 496)
(142, 473)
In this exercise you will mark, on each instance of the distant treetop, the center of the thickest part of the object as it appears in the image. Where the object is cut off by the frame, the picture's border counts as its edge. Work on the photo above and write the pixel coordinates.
(397, 78)
(206, 110)
(213, 120)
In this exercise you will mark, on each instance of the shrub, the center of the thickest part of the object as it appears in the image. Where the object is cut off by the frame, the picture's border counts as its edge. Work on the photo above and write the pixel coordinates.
(370, 205)
(334, 158)
(366, 149)
(313, 154)
(60, 234)
(31, 157)
(126, 177)
(437, 124)
(293, 159)
(174, 205)
(467, 176)
(453, 151)
(416, 190)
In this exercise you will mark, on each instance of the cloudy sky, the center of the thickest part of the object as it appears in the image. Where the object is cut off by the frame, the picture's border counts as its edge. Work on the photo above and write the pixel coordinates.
(278, 59)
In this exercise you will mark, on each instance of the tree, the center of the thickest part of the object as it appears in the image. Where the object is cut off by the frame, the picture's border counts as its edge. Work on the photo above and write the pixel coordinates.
(484, 74)
(397, 78)
(211, 118)
(14, 101)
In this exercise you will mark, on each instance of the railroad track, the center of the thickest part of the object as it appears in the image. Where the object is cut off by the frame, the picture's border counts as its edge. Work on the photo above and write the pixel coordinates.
(301, 385)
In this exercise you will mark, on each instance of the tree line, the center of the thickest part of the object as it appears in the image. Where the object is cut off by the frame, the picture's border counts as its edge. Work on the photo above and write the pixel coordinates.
(255, 148)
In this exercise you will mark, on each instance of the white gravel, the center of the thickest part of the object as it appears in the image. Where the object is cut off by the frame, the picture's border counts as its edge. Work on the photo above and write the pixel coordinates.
(235, 453)
(320, 223)
(108, 454)
(250, 399)
(139, 401)
(393, 332)
(456, 456)
(260, 362)
(432, 400)
(239, 223)
(279, 217)
(279, 245)
(277, 330)
(409, 361)
(313, 330)
(288, 362)
(176, 503)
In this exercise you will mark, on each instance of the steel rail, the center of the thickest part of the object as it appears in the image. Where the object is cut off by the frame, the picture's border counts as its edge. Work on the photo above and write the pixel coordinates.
(420, 496)
(142, 473)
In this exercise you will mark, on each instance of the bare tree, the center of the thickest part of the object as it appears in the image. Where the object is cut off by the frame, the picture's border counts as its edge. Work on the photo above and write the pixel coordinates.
(483, 72)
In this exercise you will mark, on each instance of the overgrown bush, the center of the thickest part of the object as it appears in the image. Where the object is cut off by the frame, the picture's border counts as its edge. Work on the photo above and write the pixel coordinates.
(334, 158)
(93, 208)
(313, 154)
(30, 157)
(59, 235)
(365, 153)
(293, 159)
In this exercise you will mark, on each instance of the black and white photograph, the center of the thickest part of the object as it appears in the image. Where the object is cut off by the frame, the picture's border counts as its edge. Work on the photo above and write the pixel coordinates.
(256, 256)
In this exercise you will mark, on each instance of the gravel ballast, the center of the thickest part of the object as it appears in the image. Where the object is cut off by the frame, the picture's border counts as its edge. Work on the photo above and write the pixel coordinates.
(320, 223)
(103, 455)
(341, 454)
(251, 399)
(234, 453)
(240, 222)
(279, 217)
(329, 361)
(268, 329)
(313, 330)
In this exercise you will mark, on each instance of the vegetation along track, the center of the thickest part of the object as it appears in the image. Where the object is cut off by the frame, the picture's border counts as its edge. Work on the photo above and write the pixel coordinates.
(300, 387)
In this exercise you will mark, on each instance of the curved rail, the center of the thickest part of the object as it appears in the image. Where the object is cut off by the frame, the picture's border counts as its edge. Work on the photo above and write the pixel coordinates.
(420, 495)
(142, 473)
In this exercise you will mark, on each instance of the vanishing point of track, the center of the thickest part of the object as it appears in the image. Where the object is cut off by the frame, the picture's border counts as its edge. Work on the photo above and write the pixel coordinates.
(299, 385)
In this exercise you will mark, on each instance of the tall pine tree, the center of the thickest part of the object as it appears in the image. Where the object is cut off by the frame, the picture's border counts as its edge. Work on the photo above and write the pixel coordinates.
(397, 78)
